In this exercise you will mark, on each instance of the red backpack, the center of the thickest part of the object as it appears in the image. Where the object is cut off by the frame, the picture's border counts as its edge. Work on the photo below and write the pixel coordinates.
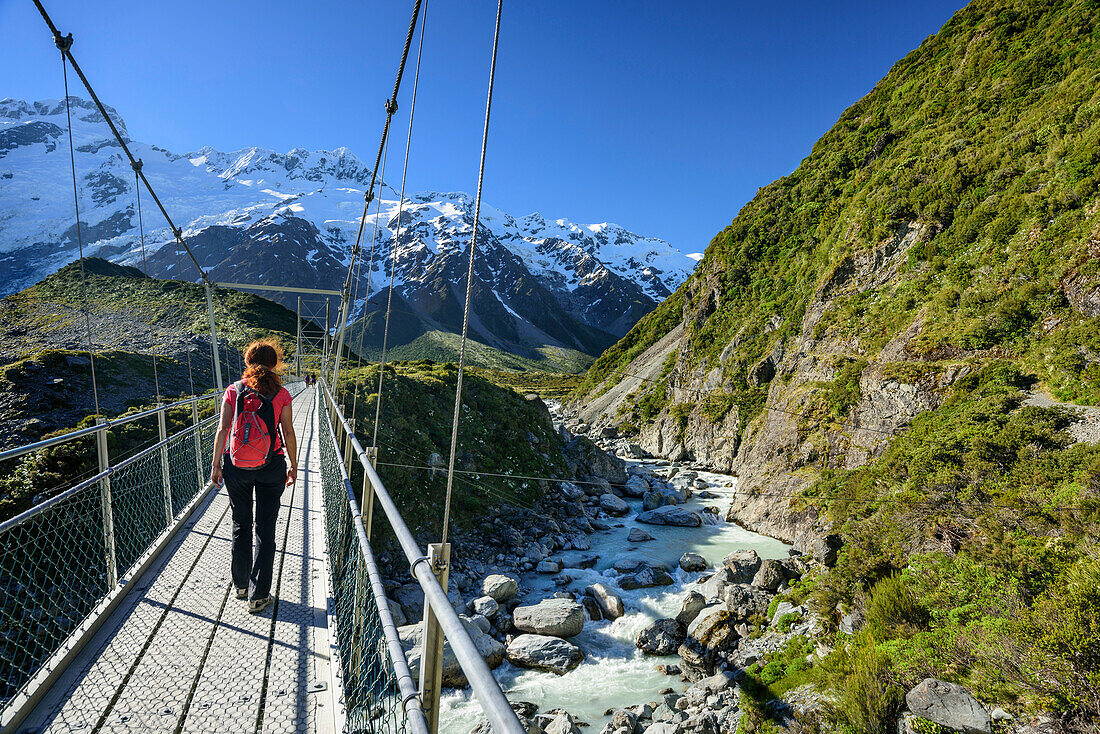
(253, 437)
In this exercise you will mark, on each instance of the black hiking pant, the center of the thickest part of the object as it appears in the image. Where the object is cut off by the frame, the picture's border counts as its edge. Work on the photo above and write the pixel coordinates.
(267, 484)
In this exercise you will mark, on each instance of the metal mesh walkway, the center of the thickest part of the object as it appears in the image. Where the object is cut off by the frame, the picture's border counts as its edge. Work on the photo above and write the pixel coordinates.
(182, 654)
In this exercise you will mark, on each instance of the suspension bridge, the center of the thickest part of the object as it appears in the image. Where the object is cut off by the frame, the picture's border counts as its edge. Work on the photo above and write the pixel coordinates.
(117, 612)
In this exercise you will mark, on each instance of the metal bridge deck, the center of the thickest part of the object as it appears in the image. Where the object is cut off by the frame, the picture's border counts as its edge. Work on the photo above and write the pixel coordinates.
(182, 653)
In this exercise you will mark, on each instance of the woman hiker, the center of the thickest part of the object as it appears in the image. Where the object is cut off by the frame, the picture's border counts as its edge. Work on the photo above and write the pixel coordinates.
(249, 455)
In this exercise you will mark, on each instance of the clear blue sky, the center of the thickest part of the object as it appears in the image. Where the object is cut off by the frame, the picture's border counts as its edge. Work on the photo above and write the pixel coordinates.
(664, 117)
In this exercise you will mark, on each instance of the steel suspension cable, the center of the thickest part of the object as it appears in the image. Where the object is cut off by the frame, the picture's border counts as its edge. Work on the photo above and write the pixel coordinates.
(391, 109)
(470, 280)
(62, 45)
(144, 267)
(397, 232)
(65, 44)
(370, 286)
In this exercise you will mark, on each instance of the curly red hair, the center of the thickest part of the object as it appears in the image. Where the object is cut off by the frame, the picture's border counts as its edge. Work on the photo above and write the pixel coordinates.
(263, 361)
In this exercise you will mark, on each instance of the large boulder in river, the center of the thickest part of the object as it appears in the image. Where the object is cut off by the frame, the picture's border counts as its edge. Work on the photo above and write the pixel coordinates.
(692, 604)
(691, 562)
(948, 705)
(710, 636)
(743, 565)
(539, 652)
(453, 677)
(713, 587)
(652, 499)
(636, 487)
(614, 506)
(556, 617)
(671, 515)
(610, 603)
(502, 588)
(662, 637)
(646, 578)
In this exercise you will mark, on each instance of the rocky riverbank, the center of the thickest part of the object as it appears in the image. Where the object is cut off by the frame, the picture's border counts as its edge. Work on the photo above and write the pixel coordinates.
(624, 601)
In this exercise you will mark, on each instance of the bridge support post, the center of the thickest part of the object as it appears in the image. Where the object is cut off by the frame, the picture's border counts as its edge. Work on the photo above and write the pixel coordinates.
(367, 501)
(214, 337)
(105, 498)
(431, 664)
(198, 446)
(165, 473)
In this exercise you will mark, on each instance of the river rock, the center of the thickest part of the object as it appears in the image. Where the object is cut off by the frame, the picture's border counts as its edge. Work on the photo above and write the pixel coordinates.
(648, 577)
(579, 560)
(637, 535)
(610, 603)
(634, 451)
(550, 565)
(571, 491)
(635, 487)
(691, 606)
(744, 601)
(770, 576)
(949, 705)
(627, 563)
(714, 586)
(720, 681)
(591, 608)
(652, 500)
(578, 541)
(486, 606)
(557, 617)
(671, 515)
(540, 652)
(624, 719)
(662, 637)
(614, 506)
(708, 637)
(398, 614)
(453, 677)
(692, 562)
(411, 599)
(502, 588)
(743, 565)
(561, 724)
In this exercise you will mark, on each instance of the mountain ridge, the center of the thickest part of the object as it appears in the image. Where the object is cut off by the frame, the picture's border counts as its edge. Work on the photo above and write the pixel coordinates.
(269, 218)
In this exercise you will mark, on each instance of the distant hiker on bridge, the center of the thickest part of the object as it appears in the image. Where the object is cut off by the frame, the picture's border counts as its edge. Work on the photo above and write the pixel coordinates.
(249, 455)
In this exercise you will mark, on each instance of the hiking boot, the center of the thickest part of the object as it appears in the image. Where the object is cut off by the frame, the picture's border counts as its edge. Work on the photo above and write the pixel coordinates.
(242, 593)
(258, 605)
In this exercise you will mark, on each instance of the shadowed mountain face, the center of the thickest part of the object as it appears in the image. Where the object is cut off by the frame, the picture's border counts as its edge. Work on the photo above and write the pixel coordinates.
(256, 216)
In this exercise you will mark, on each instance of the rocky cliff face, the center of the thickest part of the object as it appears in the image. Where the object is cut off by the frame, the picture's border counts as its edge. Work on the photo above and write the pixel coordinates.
(908, 249)
(780, 451)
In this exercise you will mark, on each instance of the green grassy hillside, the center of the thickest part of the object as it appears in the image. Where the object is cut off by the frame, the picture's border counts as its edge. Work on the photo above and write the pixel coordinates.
(963, 192)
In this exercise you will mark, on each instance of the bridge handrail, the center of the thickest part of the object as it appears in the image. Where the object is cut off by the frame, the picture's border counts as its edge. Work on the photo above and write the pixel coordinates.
(493, 701)
(106, 425)
(417, 720)
(91, 481)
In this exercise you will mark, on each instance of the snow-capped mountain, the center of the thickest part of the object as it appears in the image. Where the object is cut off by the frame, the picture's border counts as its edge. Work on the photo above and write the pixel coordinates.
(262, 217)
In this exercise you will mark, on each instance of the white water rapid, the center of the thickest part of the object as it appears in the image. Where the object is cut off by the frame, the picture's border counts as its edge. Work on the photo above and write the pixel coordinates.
(614, 673)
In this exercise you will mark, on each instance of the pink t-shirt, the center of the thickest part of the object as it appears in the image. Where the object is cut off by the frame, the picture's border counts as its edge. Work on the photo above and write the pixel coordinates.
(281, 400)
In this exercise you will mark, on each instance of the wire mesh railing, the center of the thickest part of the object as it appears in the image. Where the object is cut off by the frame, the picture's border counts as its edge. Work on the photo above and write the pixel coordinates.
(63, 559)
(372, 698)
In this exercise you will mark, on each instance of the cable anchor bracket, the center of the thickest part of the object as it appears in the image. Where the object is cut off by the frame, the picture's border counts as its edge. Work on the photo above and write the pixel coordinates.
(63, 42)
(391, 107)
